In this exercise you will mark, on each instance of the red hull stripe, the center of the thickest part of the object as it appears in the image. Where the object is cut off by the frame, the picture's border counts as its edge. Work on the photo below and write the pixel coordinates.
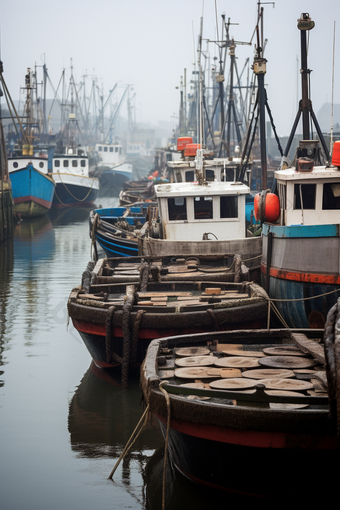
(29, 198)
(301, 277)
(254, 438)
(143, 333)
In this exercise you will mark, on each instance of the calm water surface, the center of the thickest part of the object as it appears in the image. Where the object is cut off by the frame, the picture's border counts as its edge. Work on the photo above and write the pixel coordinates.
(64, 423)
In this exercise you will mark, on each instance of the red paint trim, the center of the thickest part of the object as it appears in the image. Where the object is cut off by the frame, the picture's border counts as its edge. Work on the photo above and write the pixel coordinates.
(296, 276)
(148, 333)
(29, 198)
(253, 438)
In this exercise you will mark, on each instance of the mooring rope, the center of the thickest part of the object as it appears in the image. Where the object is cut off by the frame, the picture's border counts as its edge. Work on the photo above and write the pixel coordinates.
(131, 441)
(166, 443)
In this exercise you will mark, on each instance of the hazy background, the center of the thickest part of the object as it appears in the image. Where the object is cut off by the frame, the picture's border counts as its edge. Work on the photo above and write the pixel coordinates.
(148, 43)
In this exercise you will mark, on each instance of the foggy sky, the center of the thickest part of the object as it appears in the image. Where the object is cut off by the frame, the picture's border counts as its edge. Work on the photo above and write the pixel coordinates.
(148, 43)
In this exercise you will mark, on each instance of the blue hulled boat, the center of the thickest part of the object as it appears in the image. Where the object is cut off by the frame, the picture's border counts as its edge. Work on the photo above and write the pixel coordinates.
(32, 185)
(301, 252)
(114, 229)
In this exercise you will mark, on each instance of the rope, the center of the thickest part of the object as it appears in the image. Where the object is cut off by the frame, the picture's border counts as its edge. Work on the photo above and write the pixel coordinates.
(307, 298)
(167, 398)
(78, 199)
(131, 441)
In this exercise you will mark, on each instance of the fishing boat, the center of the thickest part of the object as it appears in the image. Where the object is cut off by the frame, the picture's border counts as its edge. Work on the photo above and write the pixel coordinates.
(300, 257)
(32, 183)
(70, 170)
(196, 219)
(119, 308)
(244, 411)
(112, 169)
(116, 229)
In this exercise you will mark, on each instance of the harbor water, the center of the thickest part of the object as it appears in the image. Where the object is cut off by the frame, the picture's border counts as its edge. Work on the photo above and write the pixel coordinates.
(64, 423)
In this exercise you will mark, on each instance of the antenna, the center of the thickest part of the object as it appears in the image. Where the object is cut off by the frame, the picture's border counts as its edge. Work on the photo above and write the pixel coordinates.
(332, 119)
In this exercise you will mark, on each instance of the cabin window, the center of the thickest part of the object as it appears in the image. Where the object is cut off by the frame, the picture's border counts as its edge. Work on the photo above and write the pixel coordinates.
(74, 163)
(56, 162)
(116, 149)
(210, 175)
(177, 208)
(189, 176)
(282, 195)
(100, 148)
(83, 163)
(307, 192)
(203, 208)
(15, 164)
(331, 196)
(105, 149)
(65, 163)
(178, 177)
(229, 207)
(41, 164)
(111, 149)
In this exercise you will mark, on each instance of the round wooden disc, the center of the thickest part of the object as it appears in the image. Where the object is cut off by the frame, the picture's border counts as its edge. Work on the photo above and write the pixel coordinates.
(237, 383)
(192, 351)
(273, 405)
(195, 361)
(197, 372)
(241, 352)
(236, 362)
(199, 385)
(286, 362)
(284, 350)
(286, 384)
(268, 373)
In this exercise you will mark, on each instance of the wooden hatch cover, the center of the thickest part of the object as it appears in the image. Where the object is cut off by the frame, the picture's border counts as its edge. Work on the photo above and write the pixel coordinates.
(237, 362)
(195, 361)
(286, 384)
(192, 351)
(268, 373)
(237, 350)
(286, 362)
(206, 373)
(285, 350)
(236, 383)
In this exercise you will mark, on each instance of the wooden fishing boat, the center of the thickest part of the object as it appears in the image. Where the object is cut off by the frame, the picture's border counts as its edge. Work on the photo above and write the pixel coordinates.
(244, 411)
(119, 308)
(116, 229)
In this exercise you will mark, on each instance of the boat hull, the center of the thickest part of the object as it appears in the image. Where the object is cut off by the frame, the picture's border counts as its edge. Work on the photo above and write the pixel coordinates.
(300, 271)
(72, 190)
(114, 178)
(229, 443)
(93, 334)
(247, 461)
(32, 191)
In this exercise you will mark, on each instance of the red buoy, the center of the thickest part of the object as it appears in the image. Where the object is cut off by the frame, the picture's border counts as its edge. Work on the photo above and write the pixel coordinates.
(191, 149)
(336, 154)
(182, 142)
(266, 207)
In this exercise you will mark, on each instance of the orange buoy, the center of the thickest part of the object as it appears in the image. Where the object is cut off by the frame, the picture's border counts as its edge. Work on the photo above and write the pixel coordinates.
(182, 142)
(266, 207)
(336, 154)
(191, 149)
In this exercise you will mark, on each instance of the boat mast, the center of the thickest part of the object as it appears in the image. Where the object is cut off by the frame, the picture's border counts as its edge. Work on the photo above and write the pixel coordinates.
(305, 24)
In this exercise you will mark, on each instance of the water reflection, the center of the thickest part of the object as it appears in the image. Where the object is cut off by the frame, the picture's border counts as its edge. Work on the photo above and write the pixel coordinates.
(102, 416)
